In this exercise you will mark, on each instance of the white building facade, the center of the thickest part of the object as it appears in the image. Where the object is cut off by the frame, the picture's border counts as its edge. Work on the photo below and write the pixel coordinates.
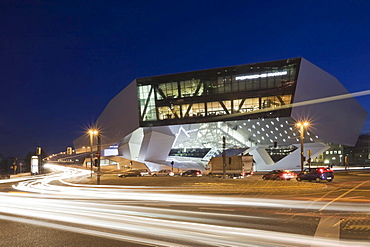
(254, 106)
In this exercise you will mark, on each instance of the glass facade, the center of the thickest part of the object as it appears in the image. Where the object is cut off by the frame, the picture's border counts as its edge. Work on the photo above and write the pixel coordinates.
(237, 92)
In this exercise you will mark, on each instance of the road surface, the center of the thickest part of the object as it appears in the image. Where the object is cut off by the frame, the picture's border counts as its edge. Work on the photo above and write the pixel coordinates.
(48, 211)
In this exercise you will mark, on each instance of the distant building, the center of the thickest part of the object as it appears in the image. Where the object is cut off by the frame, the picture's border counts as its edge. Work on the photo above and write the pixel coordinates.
(255, 106)
(359, 155)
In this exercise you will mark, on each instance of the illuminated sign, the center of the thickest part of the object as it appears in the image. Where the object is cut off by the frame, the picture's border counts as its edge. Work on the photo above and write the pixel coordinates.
(248, 77)
(34, 165)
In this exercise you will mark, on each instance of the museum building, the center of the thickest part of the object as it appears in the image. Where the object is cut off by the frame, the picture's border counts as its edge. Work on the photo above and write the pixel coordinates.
(159, 119)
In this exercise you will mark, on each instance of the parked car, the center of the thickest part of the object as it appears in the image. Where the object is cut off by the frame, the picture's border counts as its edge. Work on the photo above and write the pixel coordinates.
(318, 174)
(279, 175)
(163, 173)
(130, 173)
(145, 172)
(192, 173)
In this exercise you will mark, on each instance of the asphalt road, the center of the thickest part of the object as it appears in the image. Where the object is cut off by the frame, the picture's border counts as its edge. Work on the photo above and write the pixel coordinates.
(176, 211)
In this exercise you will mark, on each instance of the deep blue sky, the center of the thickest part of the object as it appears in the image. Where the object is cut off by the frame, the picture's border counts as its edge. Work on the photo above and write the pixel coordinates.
(62, 61)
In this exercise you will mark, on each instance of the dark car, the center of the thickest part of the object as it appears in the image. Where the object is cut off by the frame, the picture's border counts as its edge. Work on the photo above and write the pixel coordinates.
(163, 173)
(130, 173)
(318, 174)
(279, 175)
(192, 173)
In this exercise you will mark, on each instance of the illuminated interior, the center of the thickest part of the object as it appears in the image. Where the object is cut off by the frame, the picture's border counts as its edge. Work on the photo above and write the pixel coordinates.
(172, 99)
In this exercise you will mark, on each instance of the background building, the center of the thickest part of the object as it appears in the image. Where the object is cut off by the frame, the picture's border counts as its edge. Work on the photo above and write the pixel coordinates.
(255, 106)
(359, 155)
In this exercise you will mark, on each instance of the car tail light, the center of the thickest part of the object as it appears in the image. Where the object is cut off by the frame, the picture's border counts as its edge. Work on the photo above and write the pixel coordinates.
(321, 170)
(242, 174)
(252, 173)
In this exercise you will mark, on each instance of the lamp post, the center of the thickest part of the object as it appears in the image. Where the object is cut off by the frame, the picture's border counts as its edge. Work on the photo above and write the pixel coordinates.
(302, 126)
(98, 160)
(92, 133)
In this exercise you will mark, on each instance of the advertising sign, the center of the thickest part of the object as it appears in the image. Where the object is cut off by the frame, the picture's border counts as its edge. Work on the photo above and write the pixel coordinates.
(34, 165)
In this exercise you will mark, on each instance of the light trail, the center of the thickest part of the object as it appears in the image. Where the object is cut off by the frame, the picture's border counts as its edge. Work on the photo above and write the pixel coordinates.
(101, 209)
(151, 223)
(298, 104)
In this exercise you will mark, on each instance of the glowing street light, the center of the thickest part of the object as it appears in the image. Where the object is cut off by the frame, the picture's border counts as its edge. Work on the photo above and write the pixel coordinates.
(92, 133)
(302, 126)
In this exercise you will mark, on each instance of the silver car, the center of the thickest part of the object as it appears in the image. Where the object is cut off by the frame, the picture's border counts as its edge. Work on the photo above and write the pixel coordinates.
(163, 173)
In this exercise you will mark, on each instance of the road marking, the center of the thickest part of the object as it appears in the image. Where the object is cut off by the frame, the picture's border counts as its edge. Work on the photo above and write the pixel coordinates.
(349, 191)
(220, 209)
(328, 227)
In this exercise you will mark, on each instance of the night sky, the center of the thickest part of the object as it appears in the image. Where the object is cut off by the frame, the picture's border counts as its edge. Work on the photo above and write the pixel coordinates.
(61, 62)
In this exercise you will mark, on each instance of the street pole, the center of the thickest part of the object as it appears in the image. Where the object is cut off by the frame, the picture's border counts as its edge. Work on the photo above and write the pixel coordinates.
(302, 126)
(91, 153)
(301, 136)
(98, 161)
(224, 156)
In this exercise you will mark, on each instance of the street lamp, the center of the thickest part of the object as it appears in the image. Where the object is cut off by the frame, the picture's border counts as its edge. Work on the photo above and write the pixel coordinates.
(98, 160)
(92, 133)
(302, 126)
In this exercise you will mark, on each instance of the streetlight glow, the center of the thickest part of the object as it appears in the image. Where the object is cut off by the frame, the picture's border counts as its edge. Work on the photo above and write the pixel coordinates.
(92, 133)
(302, 126)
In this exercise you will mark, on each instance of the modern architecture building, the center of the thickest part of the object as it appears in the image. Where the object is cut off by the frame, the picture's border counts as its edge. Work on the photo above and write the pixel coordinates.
(254, 106)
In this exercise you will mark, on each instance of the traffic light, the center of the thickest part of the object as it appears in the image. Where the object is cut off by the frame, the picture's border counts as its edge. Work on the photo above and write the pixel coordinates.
(38, 151)
(69, 150)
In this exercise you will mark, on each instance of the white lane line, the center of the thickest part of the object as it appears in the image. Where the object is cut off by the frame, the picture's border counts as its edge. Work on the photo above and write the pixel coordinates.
(349, 191)
(328, 227)
(220, 209)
